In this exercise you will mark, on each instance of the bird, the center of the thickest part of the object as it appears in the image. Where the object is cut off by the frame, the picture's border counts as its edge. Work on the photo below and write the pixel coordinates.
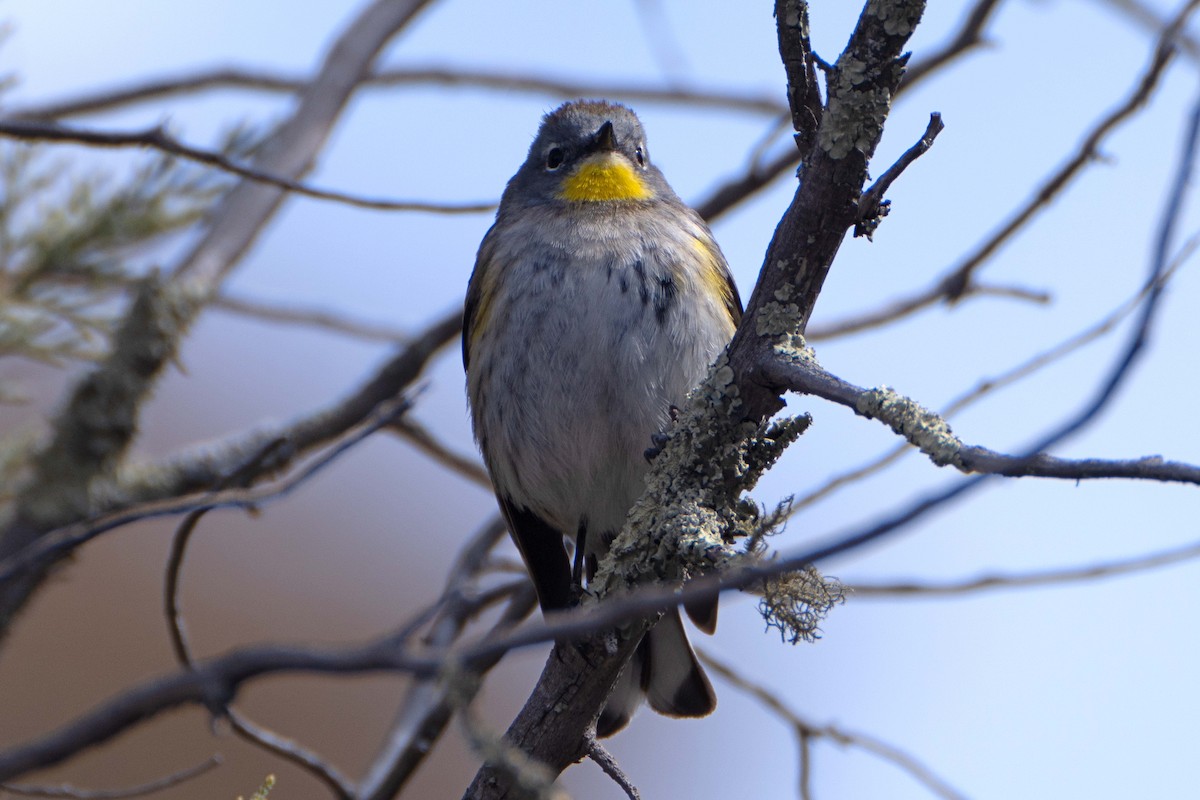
(598, 300)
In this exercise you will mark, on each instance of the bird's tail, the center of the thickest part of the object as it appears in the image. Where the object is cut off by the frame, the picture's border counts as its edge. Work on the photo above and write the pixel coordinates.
(665, 672)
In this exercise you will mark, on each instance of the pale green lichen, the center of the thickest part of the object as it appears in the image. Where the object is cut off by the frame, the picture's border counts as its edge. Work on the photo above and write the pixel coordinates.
(920, 426)
(899, 17)
(853, 121)
(777, 318)
(794, 348)
(795, 603)
(265, 789)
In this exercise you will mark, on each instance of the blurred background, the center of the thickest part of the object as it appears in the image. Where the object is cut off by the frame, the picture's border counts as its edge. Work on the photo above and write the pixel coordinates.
(1084, 689)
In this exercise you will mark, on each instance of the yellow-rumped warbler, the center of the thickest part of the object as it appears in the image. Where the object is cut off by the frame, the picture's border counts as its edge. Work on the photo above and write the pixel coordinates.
(597, 302)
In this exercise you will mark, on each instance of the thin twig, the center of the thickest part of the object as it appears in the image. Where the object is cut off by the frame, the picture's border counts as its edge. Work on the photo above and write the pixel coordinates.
(806, 730)
(604, 759)
(925, 298)
(247, 78)
(247, 729)
(968, 37)
(157, 138)
(420, 437)
(66, 790)
(1151, 20)
(311, 317)
(1053, 577)
(758, 175)
(956, 281)
(428, 707)
(871, 206)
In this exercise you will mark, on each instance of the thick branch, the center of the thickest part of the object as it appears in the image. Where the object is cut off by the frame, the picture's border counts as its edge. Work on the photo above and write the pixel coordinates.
(194, 472)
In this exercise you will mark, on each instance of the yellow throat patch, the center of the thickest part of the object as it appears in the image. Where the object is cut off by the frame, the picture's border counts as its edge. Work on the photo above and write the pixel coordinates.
(605, 177)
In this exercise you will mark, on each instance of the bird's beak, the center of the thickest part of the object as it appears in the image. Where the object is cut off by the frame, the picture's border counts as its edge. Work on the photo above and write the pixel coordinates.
(605, 140)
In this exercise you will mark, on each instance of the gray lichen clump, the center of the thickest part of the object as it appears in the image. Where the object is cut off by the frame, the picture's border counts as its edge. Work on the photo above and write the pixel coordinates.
(860, 88)
(920, 426)
(899, 17)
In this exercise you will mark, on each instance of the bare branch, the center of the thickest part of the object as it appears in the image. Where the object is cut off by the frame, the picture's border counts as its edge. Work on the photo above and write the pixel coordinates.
(247, 78)
(55, 544)
(872, 207)
(922, 299)
(758, 176)
(1151, 20)
(315, 318)
(987, 386)
(243, 726)
(66, 790)
(1026, 580)
(959, 282)
(292, 150)
(157, 138)
(420, 437)
(737, 189)
(953, 284)
(606, 762)
(968, 37)
(806, 730)
(428, 706)
(211, 683)
(192, 472)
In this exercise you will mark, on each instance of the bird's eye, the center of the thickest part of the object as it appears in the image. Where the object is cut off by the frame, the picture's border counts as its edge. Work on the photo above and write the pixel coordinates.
(554, 158)
(641, 156)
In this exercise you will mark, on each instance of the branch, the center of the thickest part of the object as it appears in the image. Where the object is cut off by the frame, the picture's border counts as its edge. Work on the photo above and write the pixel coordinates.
(66, 790)
(989, 385)
(211, 683)
(157, 138)
(931, 435)
(1052, 577)
(906, 306)
(604, 759)
(247, 78)
(968, 37)
(1152, 21)
(954, 283)
(872, 207)
(243, 726)
(737, 189)
(806, 730)
(959, 282)
(429, 705)
(55, 544)
(192, 472)
(466, 466)
(315, 318)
